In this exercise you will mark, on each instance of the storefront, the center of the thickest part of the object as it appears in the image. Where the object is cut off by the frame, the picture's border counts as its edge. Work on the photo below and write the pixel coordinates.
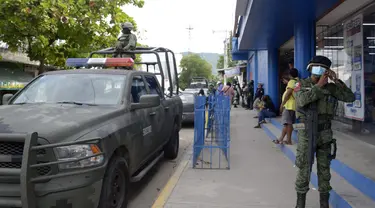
(344, 31)
(350, 44)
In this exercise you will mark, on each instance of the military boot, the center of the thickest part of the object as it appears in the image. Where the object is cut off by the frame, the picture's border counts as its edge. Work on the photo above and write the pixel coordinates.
(324, 200)
(301, 200)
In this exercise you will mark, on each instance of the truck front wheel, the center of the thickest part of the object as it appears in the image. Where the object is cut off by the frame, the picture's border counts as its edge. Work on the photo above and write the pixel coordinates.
(172, 147)
(115, 184)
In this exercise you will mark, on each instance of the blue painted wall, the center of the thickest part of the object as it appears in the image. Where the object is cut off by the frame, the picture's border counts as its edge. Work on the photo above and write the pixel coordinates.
(263, 69)
(254, 68)
(269, 23)
(273, 76)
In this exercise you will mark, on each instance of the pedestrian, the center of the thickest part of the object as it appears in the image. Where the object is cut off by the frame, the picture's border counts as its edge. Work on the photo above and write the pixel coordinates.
(244, 91)
(288, 108)
(228, 91)
(260, 91)
(220, 87)
(267, 111)
(250, 95)
(316, 89)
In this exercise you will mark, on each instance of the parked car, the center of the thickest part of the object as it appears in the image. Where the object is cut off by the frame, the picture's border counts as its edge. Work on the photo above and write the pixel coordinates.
(78, 138)
(197, 84)
(188, 99)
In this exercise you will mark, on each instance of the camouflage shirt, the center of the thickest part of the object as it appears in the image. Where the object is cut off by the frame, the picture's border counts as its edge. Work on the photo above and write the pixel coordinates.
(127, 42)
(326, 97)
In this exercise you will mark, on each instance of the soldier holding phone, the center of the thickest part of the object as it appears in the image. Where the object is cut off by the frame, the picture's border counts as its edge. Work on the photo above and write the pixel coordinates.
(316, 91)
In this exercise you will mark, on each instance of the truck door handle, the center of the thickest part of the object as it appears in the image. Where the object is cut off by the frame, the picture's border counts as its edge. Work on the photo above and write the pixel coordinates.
(153, 113)
(166, 108)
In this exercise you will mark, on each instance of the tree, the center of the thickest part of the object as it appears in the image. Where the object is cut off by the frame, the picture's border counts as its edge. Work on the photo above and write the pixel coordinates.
(49, 31)
(193, 65)
(220, 62)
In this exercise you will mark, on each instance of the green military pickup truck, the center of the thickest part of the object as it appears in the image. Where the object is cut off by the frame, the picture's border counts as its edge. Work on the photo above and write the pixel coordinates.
(78, 138)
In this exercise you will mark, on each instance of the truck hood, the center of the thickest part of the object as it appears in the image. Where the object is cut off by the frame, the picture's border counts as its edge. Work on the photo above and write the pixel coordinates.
(54, 122)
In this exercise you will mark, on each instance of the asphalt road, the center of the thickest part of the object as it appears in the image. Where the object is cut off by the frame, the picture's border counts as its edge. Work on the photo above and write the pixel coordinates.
(144, 193)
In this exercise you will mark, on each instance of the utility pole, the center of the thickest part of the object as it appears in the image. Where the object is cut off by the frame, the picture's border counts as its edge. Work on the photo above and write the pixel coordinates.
(225, 45)
(189, 30)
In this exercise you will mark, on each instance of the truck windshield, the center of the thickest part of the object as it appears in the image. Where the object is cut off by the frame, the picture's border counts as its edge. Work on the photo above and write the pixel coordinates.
(90, 89)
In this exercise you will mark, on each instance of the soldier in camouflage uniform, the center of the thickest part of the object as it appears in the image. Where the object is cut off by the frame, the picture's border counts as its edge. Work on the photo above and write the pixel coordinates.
(317, 89)
(127, 41)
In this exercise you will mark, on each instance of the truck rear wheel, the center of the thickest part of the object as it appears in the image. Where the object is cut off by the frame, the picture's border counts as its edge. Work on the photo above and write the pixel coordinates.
(172, 147)
(115, 184)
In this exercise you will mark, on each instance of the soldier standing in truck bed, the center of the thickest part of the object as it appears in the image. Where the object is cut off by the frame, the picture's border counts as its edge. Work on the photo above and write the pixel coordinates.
(316, 89)
(127, 41)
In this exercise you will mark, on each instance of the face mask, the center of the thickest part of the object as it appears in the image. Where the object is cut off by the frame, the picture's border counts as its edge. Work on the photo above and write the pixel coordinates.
(317, 70)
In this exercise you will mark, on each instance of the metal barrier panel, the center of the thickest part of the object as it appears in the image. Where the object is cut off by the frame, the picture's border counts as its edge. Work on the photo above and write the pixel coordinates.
(199, 124)
(212, 141)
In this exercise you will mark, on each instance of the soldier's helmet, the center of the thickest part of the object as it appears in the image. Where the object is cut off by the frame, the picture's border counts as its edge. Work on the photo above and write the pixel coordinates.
(127, 25)
(319, 61)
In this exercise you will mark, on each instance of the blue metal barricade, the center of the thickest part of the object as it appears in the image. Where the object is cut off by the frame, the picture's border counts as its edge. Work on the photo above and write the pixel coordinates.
(212, 132)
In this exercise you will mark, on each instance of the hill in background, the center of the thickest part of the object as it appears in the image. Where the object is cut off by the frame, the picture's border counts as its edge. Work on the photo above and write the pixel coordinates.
(211, 58)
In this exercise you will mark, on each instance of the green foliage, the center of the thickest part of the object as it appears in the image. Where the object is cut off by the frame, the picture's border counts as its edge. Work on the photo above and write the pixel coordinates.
(49, 31)
(220, 62)
(193, 65)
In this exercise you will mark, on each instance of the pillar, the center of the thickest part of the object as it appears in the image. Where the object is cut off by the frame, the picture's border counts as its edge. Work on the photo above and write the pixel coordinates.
(255, 71)
(273, 75)
(248, 71)
(304, 35)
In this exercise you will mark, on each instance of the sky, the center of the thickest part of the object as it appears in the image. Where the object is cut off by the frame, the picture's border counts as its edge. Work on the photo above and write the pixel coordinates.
(164, 23)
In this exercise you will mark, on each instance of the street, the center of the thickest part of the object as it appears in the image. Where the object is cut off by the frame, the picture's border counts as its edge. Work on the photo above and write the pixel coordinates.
(144, 193)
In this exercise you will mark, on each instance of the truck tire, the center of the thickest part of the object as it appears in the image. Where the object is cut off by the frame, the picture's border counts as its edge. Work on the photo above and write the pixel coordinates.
(115, 186)
(172, 147)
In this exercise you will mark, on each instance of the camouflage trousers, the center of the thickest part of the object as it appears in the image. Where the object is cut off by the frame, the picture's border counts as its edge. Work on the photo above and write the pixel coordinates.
(323, 161)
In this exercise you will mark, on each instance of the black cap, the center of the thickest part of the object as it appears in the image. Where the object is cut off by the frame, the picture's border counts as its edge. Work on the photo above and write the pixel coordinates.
(293, 72)
(320, 61)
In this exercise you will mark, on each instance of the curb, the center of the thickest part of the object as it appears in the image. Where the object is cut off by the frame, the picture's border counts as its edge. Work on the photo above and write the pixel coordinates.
(335, 200)
(166, 192)
(352, 176)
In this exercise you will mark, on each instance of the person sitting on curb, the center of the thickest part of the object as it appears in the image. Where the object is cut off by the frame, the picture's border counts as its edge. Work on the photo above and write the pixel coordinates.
(267, 111)
(258, 105)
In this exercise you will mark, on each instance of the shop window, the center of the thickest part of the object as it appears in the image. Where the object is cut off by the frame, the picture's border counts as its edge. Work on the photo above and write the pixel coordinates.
(330, 43)
(353, 59)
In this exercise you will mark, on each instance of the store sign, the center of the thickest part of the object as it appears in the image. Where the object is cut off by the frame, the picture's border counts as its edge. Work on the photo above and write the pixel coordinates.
(353, 42)
(233, 72)
(11, 85)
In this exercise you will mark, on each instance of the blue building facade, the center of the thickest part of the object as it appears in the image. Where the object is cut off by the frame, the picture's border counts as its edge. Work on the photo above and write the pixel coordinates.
(303, 29)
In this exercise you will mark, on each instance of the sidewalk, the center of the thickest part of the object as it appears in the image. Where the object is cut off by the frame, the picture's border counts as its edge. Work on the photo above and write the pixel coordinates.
(260, 175)
(353, 170)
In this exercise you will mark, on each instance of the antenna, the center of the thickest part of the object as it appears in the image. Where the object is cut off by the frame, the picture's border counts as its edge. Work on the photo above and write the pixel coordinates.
(189, 30)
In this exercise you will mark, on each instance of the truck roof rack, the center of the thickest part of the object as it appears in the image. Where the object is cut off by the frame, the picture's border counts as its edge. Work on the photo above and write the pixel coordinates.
(170, 70)
(124, 62)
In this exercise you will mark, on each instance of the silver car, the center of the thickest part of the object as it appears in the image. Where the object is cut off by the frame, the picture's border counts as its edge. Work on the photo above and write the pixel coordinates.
(188, 99)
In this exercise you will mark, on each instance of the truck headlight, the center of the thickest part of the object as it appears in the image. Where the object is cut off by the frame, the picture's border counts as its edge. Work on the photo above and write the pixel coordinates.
(74, 152)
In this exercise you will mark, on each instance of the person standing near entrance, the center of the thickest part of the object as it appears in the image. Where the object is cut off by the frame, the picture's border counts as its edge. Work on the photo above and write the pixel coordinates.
(260, 91)
(288, 108)
(250, 95)
(317, 90)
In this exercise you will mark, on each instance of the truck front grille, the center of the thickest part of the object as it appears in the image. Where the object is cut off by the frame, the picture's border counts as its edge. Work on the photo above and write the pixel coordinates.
(11, 148)
(15, 150)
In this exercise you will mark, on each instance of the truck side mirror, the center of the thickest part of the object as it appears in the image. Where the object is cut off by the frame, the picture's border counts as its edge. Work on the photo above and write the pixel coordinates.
(146, 101)
(6, 98)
